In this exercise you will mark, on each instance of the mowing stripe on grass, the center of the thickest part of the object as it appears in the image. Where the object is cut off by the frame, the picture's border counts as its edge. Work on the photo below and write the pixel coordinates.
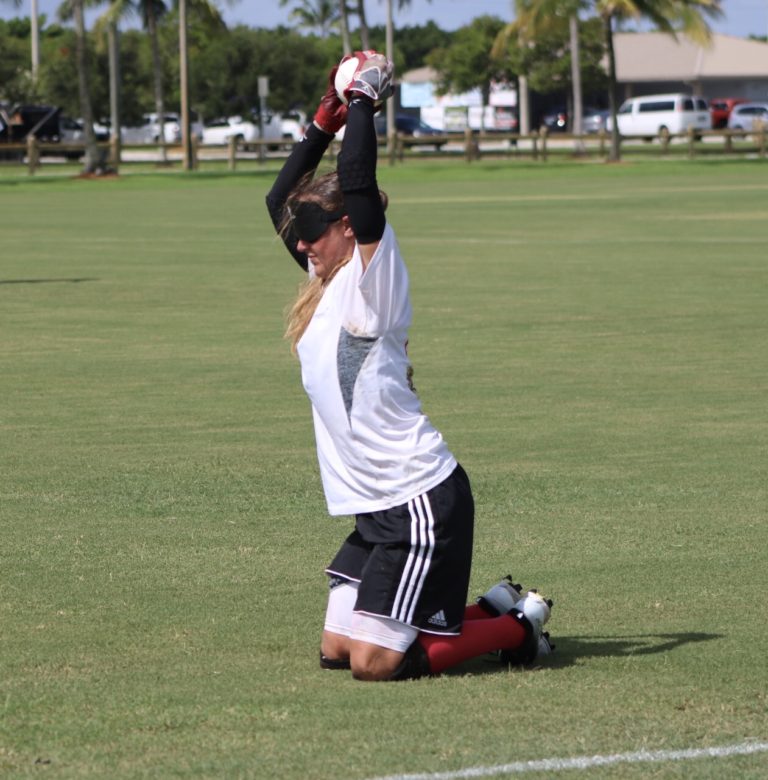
(587, 762)
(580, 197)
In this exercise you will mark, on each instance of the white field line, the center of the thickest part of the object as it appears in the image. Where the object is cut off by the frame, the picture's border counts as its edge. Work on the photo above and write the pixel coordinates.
(586, 762)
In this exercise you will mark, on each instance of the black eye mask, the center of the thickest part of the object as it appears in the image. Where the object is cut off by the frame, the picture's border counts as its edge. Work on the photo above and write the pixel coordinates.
(310, 220)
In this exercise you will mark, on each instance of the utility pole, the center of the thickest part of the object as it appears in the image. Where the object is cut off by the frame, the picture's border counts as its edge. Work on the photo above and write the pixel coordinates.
(113, 39)
(263, 90)
(186, 138)
(35, 34)
(390, 103)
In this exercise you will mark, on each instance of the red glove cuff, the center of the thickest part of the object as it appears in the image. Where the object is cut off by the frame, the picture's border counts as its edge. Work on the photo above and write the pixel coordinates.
(331, 114)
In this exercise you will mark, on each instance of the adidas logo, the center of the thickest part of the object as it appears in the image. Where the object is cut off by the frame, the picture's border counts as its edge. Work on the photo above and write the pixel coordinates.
(438, 619)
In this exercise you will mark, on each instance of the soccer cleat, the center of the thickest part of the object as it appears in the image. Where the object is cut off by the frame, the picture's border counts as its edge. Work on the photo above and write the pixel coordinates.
(536, 608)
(334, 663)
(532, 611)
(546, 647)
(528, 652)
(501, 598)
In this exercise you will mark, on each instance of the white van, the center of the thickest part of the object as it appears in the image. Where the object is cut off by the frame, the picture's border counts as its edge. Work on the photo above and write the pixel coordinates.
(663, 115)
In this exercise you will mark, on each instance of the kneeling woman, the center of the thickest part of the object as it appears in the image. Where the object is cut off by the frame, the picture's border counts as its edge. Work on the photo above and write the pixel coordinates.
(396, 607)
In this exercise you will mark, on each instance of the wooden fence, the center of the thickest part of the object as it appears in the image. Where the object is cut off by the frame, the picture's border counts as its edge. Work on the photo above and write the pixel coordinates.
(471, 146)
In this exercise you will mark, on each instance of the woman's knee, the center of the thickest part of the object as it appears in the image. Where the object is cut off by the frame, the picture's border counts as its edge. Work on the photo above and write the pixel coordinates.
(335, 646)
(373, 663)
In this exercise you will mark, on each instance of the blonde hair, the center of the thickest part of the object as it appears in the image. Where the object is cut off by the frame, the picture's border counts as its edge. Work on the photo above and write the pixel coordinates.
(326, 192)
(300, 312)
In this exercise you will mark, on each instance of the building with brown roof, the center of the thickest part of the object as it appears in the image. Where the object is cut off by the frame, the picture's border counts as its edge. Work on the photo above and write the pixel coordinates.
(647, 63)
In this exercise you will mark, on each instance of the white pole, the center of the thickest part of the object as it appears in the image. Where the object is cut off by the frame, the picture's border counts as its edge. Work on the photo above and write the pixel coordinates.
(390, 103)
(35, 34)
(186, 138)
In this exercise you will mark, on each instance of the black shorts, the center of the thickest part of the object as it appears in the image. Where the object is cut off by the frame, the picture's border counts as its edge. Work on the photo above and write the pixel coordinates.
(412, 562)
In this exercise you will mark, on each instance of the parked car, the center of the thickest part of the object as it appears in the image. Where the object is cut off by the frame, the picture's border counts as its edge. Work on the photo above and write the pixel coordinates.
(413, 126)
(18, 121)
(720, 109)
(70, 130)
(102, 128)
(494, 119)
(219, 131)
(555, 120)
(73, 130)
(595, 120)
(748, 116)
(293, 124)
(663, 115)
(244, 130)
(148, 130)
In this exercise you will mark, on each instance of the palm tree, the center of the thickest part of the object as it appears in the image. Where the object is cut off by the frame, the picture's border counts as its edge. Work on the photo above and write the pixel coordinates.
(75, 9)
(530, 27)
(106, 26)
(365, 38)
(359, 9)
(346, 43)
(34, 34)
(322, 15)
(670, 16)
(150, 11)
(573, 34)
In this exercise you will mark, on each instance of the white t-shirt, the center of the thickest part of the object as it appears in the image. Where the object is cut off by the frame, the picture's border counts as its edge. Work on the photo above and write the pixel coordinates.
(376, 448)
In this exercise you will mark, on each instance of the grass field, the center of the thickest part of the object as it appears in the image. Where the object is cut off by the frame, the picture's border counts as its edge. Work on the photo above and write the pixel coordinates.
(591, 339)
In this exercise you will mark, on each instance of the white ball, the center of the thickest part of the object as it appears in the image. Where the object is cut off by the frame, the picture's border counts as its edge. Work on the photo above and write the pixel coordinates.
(345, 75)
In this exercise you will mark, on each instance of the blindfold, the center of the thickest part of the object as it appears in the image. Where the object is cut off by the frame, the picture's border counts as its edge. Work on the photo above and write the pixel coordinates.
(310, 220)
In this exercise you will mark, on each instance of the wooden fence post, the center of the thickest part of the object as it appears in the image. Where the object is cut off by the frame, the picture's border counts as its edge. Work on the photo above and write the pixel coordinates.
(232, 153)
(394, 147)
(544, 144)
(33, 154)
(114, 151)
(664, 137)
(471, 147)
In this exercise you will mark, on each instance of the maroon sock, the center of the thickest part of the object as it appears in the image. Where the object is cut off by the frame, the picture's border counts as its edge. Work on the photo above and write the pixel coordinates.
(476, 612)
(476, 638)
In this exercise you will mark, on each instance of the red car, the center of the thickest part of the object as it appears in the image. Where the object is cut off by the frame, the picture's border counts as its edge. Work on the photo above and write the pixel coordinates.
(720, 109)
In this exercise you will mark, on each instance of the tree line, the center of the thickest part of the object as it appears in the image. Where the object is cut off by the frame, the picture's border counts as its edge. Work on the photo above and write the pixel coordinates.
(227, 62)
(551, 48)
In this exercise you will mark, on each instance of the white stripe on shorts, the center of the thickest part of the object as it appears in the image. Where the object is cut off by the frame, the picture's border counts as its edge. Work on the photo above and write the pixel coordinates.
(419, 559)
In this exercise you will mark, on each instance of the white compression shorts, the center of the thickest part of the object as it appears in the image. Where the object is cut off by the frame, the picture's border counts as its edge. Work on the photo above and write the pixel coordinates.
(374, 629)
